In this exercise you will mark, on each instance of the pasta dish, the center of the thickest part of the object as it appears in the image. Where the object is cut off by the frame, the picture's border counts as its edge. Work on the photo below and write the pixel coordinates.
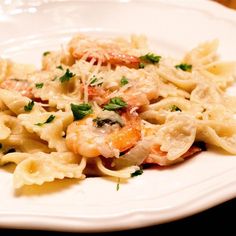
(112, 107)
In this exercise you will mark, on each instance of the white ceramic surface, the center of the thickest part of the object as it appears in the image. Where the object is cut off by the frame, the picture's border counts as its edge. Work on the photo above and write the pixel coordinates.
(32, 27)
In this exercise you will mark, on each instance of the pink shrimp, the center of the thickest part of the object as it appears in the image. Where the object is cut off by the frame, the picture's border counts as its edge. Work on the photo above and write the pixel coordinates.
(106, 52)
(85, 139)
(159, 157)
(21, 86)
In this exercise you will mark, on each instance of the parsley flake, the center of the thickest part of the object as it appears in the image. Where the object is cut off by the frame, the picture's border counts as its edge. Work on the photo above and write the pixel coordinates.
(141, 65)
(49, 120)
(67, 76)
(29, 107)
(118, 184)
(39, 85)
(174, 108)
(115, 104)
(95, 82)
(123, 81)
(150, 58)
(137, 172)
(101, 122)
(59, 67)
(46, 53)
(184, 67)
(80, 111)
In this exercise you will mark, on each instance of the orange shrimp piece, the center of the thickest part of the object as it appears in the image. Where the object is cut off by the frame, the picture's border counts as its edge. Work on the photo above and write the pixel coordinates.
(98, 95)
(106, 52)
(159, 157)
(127, 136)
(116, 58)
(136, 101)
(18, 85)
(87, 140)
(80, 140)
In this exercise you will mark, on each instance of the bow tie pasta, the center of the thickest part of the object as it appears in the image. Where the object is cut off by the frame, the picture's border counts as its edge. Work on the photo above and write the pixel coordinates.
(109, 107)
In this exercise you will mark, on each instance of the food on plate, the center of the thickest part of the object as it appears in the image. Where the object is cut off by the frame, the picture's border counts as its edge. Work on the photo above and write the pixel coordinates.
(112, 106)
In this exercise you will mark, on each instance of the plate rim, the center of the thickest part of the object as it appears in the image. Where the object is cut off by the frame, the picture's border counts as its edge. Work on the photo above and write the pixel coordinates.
(71, 224)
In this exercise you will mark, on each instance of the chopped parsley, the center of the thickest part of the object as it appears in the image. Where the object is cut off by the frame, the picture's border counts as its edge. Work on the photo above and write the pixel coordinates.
(184, 67)
(49, 120)
(118, 184)
(137, 172)
(67, 76)
(141, 65)
(46, 53)
(94, 82)
(174, 108)
(123, 81)
(151, 58)
(101, 122)
(29, 107)
(80, 111)
(39, 85)
(59, 67)
(201, 145)
(115, 104)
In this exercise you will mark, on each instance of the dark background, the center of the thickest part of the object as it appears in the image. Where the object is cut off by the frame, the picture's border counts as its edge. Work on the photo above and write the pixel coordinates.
(220, 220)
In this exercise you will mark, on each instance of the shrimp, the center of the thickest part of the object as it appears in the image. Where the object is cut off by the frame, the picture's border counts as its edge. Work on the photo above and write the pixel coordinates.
(131, 97)
(84, 138)
(140, 98)
(106, 52)
(21, 86)
(127, 136)
(159, 157)
(98, 94)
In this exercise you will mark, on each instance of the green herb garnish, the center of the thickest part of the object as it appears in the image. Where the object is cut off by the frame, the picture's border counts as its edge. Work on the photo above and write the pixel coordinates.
(141, 65)
(46, 53)
(123, 81)
(174, 108)
(184, 67)
(80, 111)
(137, 172)
(49, 120)
(59, 67)
(39, 85)
(67, 76)
(150, 58)
(118, 184)
(115, 104)
(101, 122)
(29, 107)
(94, 82)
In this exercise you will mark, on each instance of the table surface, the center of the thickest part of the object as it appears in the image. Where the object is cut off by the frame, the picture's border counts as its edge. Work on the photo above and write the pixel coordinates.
(219, 220)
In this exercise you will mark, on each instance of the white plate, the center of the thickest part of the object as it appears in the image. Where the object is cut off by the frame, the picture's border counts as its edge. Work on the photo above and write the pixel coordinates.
(157, 196)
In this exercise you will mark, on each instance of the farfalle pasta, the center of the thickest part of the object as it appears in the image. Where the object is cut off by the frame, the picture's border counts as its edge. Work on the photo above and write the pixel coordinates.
(109, 107)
